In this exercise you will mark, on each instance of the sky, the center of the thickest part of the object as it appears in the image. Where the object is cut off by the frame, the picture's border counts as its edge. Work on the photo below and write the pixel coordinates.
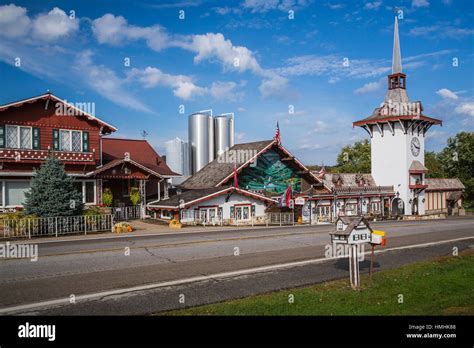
(313, 66)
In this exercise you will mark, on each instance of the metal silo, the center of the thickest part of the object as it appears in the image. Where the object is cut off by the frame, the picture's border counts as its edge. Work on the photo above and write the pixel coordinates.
(222, 134)
(200, 134)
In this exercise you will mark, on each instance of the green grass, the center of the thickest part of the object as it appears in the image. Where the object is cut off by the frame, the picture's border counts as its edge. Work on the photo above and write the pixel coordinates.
(443, 286)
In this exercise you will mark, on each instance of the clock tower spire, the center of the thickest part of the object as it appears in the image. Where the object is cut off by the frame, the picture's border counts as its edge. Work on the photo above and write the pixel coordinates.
(397, 130)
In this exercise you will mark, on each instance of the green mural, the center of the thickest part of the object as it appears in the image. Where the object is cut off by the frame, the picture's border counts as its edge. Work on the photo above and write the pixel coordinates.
(269, 174)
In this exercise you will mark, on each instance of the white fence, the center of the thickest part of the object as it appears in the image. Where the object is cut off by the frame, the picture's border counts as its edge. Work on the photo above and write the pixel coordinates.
(127, 213)
(280, 219)
(196, 217)
(56, 226)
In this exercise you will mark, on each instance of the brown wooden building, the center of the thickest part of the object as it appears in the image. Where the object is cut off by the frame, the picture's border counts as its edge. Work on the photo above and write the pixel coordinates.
(34, 128)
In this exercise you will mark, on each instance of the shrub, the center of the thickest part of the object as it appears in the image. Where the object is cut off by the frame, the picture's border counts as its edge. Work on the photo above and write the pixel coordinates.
(107, 197)
(134, 195)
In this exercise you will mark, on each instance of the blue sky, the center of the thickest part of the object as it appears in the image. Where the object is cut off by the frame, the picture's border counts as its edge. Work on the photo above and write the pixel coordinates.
(246, 57)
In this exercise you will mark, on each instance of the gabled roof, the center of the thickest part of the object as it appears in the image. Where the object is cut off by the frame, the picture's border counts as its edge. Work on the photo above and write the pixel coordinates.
(216, 171)
(140, 151)
(417, 167)
(108, 128)
(192, 197)
(351, 222)
(444, 184)
(219, 171)
(348, 179)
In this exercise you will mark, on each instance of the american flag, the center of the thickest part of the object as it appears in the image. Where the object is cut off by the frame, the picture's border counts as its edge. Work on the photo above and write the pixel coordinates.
(277, 134)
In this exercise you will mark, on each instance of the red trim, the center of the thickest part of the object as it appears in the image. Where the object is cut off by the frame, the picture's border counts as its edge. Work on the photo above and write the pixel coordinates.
(418, 186)
(396, 118)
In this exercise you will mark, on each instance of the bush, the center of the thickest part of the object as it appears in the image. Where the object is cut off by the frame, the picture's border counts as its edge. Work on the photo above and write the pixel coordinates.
(107, 197)
(134, 195)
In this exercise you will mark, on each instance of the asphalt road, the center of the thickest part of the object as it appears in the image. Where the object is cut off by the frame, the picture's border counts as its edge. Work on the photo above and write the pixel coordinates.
(147, 274)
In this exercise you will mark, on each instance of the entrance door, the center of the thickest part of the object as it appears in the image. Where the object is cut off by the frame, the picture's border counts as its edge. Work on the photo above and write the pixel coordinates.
(398, 207)
(414, 206)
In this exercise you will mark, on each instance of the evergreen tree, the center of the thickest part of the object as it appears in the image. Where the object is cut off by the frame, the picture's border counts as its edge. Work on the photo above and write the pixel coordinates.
(52, 192)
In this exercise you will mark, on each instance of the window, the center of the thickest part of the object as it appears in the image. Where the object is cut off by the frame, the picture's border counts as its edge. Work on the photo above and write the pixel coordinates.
(70, 140)
(87, 191)
(90, 192)
(15, 192)
(18, 137)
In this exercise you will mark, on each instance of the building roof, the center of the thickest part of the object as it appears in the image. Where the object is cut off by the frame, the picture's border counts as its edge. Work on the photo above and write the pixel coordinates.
(397, 57)
(350, 183)
(417, 166)
(108, 128)
(351, 222)
(219, 171)
(216, 171)
(397, 105)
(192, 197)
(140, 151)
(444, 184)
(348, 179)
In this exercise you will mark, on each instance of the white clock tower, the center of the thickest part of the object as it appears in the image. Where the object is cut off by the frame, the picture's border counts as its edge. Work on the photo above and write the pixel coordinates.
(397, 130)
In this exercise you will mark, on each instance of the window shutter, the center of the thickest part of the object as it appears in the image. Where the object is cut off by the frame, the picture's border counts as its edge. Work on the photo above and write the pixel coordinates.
(36, 138)
(231, 212)
(56, 139)
(2, 136)
(85, 141)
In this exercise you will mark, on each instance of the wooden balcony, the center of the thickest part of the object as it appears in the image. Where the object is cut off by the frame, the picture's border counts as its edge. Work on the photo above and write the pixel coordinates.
(38, 156)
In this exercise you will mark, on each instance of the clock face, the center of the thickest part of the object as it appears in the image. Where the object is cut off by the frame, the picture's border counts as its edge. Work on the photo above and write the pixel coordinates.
(415, 146)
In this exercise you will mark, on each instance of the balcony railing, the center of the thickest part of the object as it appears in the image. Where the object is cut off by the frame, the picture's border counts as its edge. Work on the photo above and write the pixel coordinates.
(29, 155)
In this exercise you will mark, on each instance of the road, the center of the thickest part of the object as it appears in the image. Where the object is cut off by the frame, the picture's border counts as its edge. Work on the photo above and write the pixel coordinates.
(151, 273)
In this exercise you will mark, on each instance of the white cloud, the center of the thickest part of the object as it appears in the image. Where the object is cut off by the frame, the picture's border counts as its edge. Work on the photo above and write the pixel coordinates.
(336, 6)
(274, 85)
(373, 5)
(14, 21)
(441, 30)
(183, 86)
(105, 82)
(114, 30)
(54, 25)
(446, 93)
(369, 87)
(268, 5)
(466, 108)
(211, 46)
(224, 90)
(51, 26)
(420, 3)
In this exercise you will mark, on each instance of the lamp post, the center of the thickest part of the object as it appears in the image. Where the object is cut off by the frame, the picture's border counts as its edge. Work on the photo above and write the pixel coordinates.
(310, 195)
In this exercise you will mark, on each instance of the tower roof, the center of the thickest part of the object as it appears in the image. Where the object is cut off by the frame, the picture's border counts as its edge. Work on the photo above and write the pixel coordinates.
(397, 104)
(397, 57)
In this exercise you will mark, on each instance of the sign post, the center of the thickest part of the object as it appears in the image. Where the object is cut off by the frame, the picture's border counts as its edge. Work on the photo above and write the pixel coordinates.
(354, 231)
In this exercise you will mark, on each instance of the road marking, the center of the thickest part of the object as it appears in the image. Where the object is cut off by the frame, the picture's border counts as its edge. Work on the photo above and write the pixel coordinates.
(62, 301)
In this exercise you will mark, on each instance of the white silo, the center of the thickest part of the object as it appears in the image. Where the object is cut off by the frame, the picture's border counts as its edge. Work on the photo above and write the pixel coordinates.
(201, 140)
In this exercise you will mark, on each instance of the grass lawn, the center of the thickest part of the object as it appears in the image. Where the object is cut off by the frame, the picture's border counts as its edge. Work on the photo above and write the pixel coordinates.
(443, 286)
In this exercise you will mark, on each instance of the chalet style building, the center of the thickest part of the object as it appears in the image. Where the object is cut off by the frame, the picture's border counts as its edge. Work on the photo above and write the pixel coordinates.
(247, 187)
(35, 128)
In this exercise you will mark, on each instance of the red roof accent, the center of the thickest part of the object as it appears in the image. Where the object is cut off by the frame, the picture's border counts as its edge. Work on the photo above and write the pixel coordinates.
(140, 151)
(107, 127)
